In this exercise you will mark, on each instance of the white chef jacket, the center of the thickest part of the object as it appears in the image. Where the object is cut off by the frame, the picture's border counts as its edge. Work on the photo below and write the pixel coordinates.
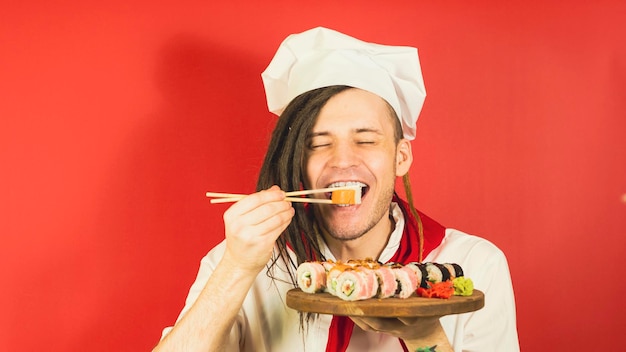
(265, 323)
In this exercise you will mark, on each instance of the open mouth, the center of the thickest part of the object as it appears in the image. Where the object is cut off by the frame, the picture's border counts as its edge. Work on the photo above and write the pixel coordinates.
(364, 189)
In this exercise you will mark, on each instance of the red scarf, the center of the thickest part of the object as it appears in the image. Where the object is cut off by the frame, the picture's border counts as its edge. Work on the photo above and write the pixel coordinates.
(341, 327)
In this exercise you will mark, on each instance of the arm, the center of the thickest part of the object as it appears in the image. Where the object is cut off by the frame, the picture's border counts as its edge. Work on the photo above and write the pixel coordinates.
(252, 226)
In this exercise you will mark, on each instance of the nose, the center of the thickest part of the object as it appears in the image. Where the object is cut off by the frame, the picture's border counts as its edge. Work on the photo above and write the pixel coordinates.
(343, 156)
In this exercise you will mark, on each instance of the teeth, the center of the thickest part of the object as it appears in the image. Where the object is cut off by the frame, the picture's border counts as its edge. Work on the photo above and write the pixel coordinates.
(347, 183)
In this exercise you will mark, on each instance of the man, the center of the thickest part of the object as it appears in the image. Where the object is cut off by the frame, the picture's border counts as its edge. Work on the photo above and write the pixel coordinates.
(347, 112)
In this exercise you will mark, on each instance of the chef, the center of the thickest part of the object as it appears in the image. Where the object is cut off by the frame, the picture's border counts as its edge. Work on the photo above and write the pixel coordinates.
(347, 113)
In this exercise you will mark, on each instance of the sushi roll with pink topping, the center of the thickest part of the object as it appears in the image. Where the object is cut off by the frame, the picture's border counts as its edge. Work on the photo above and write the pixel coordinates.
(356, 284)
(407, 280)
(311, 277)
(420, 272)
(371, 279)
(387, 284)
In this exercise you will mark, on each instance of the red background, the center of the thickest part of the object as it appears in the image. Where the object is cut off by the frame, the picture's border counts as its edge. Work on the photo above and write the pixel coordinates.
(117, 116)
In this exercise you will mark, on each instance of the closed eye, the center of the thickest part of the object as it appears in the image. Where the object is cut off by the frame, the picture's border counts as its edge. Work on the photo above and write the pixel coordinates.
(318, 141)
(367, 136)
(318, 146)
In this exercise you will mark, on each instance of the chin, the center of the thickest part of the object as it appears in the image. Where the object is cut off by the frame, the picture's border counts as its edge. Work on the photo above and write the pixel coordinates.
(345, 231)
(346, 236)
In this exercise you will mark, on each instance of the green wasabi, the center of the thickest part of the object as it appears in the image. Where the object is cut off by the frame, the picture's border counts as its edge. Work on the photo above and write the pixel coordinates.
(463, 286)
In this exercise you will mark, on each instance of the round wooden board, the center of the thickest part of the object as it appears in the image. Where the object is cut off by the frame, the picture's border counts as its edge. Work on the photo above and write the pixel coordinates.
(325, 303)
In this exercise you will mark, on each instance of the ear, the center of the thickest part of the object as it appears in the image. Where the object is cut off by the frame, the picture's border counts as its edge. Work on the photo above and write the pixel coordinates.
(404, 157)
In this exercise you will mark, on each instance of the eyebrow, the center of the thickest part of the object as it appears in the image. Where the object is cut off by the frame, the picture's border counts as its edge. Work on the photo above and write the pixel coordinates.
(317, 134)
(366, 130)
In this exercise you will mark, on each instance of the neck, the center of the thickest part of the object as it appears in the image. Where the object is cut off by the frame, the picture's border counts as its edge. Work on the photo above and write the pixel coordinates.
(369, 245)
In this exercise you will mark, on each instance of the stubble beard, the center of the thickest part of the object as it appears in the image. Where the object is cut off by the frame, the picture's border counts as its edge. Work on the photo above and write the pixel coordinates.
(346, 232)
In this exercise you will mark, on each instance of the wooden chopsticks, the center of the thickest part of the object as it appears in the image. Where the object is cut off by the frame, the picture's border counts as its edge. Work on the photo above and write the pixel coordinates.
(292, 196)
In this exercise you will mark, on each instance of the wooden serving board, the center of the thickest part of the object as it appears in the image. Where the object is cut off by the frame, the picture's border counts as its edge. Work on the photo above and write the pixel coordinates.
(325, 303)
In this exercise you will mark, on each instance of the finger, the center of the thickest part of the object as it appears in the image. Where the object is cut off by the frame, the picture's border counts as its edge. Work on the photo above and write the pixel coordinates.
(269, 211)
(252, 201)
(275, 224)
(262, 219)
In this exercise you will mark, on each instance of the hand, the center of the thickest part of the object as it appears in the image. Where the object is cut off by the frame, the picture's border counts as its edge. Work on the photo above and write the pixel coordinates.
(416, 332)
(252, 226)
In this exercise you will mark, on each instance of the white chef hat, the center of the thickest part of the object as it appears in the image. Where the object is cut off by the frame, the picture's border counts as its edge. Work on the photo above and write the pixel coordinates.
(322, 57)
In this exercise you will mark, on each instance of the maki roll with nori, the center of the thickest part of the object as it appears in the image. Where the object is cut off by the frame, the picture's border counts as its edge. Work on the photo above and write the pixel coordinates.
(437, 272)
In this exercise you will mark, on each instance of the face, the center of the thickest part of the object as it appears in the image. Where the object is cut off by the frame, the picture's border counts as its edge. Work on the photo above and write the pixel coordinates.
(352, 142)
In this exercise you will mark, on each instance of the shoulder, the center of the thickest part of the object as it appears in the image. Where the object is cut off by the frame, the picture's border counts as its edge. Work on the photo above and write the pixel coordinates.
(480, 259)
(459, 244)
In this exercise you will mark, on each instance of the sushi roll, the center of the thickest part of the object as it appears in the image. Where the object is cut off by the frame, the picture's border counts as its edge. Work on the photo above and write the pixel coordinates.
(433, 273)
(454, 269)
(407, 280)
(331, 277)
(311, 277)
(420, 272)
(356, 284)
(458, 271)
(371, 279)
(450, 269)
(437, 272)
(387, 284)
(445, 272)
